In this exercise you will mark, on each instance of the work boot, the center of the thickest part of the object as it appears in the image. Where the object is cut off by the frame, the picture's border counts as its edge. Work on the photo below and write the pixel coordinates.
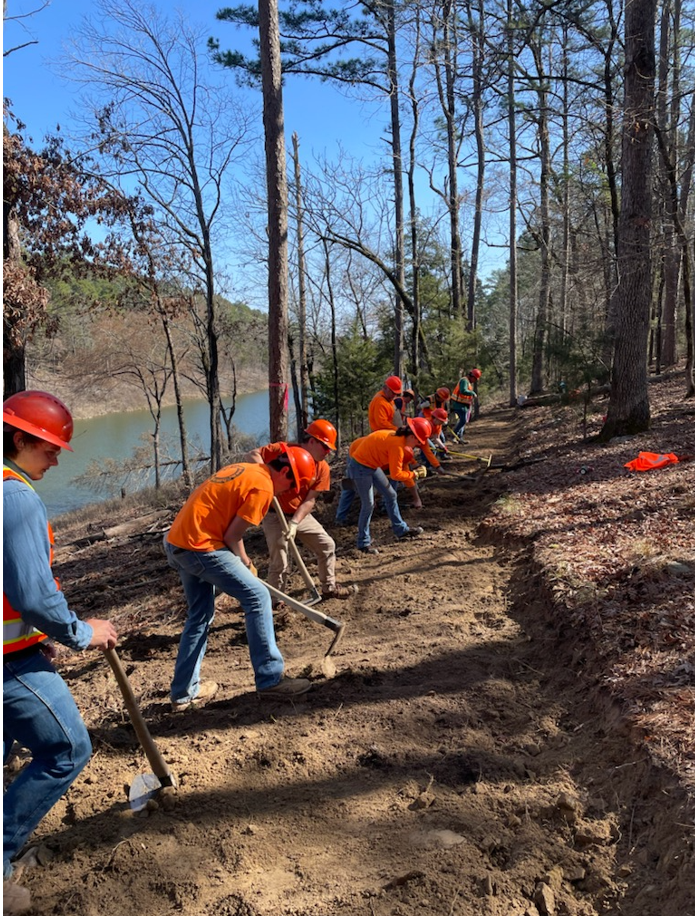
(15, 899)
(411, 533)
(337, 591)
(206, 692)
(287, 689)
(368, 549)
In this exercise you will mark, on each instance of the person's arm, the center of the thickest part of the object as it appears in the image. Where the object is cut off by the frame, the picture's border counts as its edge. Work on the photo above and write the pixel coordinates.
(305, 507)
(28, 579)
(429, 454)
(396, 469)
(234, 539)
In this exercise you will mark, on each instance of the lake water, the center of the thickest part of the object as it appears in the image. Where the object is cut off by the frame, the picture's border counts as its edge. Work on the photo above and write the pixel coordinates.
(116, 435)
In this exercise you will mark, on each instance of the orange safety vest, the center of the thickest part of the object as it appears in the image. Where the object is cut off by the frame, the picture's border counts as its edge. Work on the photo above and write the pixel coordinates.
(461, 397)
(649, 461)
(17, 635)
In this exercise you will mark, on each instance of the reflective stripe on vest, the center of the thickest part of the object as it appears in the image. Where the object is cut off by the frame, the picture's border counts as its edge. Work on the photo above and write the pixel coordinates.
(17, 635)
(461, 398)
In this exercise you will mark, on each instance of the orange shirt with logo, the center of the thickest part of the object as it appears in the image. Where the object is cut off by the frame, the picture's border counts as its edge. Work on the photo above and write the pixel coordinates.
(291, 500)
(244, 490)
(383, 448)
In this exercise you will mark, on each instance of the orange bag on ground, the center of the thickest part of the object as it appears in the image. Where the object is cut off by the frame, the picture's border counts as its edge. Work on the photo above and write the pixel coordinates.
(649, 461)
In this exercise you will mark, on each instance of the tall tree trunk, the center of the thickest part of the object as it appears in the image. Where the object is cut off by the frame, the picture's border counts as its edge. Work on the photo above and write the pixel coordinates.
(628, 408)
(276, 181)
(303, 415)
(477, 34)
(414, 243)
(14, 368)
(513, 281)
(394, 99)
(538, 371)
(447, 101)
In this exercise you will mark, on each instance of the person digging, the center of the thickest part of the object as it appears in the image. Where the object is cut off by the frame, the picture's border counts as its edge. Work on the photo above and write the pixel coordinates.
(205, 545)
(320, 439)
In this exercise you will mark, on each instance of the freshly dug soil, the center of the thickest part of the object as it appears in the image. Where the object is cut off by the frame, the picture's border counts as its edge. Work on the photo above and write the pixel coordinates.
(466, 757)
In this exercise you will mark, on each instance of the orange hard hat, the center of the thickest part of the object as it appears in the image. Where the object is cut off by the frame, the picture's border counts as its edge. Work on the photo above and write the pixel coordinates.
(324, 431)
(302, 464)
(420, 428)
(475, 373)
(394, 383)
(443, 394)
(40, 414)
(440, 415)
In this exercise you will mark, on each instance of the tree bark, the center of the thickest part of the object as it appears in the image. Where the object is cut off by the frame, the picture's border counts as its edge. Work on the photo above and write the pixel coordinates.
(276, 181)
(628, 408)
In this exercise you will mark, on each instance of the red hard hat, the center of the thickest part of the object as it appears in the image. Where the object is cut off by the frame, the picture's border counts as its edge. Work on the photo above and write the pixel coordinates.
(394, 383)
(475, 373)
(443, 394)
(420, 428)
(303, 466)
(440, 415)
(324, 431)
(40, 414)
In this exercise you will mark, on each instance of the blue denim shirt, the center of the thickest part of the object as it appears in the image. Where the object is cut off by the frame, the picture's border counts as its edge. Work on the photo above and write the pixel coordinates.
(27, 578)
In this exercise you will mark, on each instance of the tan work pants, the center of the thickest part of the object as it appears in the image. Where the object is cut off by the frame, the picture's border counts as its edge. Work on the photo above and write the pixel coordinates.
(313, 535)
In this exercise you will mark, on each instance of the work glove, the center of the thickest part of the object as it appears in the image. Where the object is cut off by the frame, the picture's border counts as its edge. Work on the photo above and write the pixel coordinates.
(420, 473)
(252, 569)
(291, 531)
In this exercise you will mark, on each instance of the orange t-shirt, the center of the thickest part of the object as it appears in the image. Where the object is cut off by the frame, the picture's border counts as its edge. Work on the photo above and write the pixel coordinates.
(383, 448)
(381, 413)
(291, 500)
(245, 490)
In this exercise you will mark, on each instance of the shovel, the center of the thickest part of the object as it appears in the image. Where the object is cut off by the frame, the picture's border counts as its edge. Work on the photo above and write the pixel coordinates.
(306, 575)
(146, 785)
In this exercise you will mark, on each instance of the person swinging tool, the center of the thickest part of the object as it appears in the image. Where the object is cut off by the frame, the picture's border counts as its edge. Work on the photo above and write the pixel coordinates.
(320, 439)
(367, 458)
(205, 545)
(38, 709)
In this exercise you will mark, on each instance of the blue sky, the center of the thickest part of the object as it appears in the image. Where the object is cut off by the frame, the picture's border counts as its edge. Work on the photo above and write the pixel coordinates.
(322, 118)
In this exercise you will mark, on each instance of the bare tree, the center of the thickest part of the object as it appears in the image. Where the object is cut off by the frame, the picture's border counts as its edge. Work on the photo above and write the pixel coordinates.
(628, 408)
(163, 124)
(276, 183)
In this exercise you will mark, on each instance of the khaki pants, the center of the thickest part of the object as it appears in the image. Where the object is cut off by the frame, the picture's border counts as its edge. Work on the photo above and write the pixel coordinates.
(313, 535)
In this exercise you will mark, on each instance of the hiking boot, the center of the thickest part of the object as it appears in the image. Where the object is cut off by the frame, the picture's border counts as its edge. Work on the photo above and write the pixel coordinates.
(368, 549)
(411, 533)
(337, 591)
(287, 689)
(206, 692)
(15, 899)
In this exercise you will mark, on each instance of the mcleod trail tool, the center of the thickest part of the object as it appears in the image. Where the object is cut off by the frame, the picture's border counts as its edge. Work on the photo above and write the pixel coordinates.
(308, 581)
(145, 785)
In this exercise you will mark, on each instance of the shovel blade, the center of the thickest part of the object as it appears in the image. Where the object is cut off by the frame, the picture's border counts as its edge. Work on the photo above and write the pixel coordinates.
(144, 787)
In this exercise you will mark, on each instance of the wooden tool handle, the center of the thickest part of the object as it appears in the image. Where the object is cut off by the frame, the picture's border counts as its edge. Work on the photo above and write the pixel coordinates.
(159, 767)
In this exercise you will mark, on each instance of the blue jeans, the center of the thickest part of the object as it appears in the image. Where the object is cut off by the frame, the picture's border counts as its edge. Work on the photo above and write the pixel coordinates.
(201, 573)
(347, 498)
(461, 412)
(365, 480)
(40, 713)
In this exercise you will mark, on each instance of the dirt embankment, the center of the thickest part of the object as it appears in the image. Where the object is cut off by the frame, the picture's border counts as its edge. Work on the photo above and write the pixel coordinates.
(468, 756)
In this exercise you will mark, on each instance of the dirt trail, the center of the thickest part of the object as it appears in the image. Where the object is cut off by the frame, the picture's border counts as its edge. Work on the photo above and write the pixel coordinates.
(458, 762)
